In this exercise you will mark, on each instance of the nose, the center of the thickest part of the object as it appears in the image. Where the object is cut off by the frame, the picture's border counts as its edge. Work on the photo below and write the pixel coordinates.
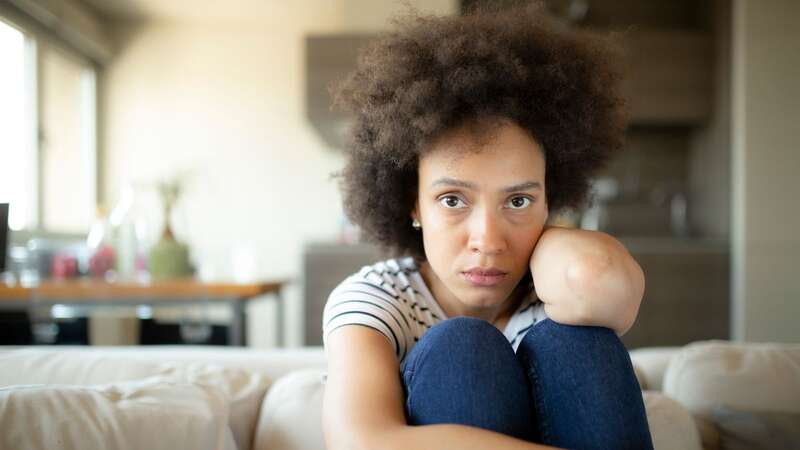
(486, 234)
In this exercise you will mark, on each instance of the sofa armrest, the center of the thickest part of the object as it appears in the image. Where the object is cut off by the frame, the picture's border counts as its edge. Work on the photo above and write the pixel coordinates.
(671, 425)
(291, 414)
(651, 364)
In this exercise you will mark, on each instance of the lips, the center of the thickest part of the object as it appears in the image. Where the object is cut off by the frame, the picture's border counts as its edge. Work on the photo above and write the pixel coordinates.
(484, 277)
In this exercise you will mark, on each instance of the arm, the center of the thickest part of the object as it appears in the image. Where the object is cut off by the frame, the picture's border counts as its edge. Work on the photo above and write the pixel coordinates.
(363, 403)
(587, 278)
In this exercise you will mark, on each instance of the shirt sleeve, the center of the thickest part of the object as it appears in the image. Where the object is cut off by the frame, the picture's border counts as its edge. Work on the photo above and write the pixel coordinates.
(361, 301)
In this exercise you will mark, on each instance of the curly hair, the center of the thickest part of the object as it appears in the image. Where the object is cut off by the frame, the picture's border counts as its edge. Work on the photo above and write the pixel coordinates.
(433, 74)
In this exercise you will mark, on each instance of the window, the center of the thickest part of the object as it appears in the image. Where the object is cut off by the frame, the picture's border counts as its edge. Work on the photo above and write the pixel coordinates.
(48, 170)
(17, 166)
(66, 142)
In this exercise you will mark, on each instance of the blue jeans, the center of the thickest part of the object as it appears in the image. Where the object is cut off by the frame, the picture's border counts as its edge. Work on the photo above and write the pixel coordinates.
(567, 386)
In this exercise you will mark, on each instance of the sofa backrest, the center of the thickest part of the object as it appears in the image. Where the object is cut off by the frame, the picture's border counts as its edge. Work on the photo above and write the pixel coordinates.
(244, 375)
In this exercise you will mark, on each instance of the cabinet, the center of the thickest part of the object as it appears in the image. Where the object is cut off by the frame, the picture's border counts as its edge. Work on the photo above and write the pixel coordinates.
(325, 265)
(686, 293)
(667, 77)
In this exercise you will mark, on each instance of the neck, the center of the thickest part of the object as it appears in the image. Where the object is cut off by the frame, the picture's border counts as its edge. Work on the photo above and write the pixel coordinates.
(496, 315)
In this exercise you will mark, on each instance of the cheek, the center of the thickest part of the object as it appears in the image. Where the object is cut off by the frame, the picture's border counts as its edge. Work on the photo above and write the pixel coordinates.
(441, 223)
(527, 238)
(441, 242)
(443, 246)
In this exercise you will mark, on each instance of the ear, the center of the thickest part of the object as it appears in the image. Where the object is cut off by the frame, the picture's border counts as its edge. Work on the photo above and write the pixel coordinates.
(415, 211)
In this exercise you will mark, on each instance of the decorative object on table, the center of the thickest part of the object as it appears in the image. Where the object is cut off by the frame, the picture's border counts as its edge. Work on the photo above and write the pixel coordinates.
(134, 232)
(64, 266)
(169, 258)
(101, 248)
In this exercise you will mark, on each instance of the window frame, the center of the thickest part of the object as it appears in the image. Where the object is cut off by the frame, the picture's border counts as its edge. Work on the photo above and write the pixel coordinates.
(37, 41)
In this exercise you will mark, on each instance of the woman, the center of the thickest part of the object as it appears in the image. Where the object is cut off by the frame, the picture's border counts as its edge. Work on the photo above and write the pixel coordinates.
(469, 131)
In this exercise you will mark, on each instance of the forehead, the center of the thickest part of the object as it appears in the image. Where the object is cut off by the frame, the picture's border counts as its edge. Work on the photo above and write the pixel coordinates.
(503, 147)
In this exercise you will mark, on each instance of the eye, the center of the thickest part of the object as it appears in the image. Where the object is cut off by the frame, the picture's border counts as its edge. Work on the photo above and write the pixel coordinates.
(452, 202)
(519, 202)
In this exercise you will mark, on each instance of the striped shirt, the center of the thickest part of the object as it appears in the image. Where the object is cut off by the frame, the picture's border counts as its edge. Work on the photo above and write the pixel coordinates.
(391, 297)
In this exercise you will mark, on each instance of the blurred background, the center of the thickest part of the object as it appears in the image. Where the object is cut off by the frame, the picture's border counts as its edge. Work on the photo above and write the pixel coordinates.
(142, 139)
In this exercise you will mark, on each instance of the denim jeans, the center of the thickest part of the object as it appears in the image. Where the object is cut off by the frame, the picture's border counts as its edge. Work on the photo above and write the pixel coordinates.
(566, 386)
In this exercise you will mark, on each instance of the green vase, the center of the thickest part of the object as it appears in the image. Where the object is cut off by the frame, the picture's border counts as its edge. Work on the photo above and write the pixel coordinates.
(169, 258)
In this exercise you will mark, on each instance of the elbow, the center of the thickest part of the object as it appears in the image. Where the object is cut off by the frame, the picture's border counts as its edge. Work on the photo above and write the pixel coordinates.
(608, 292)
(587, 269)
(585, 278)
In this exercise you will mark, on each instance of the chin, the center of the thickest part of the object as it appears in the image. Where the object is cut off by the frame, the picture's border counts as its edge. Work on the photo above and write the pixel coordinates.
(483, 297)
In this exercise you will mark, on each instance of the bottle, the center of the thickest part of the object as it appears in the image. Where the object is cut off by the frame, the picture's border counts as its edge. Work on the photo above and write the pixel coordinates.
(131, 230)
(101, 249)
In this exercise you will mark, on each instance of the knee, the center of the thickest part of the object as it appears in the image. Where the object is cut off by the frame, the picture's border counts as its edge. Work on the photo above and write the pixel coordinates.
(552, 328)
(463, 370)
(463, 340)
(573, 339)
(465, 332)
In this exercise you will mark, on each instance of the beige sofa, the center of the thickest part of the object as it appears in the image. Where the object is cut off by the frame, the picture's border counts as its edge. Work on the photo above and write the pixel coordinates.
(225, 398)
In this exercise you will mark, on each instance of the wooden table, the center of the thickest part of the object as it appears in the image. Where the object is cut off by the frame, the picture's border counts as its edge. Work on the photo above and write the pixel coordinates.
(178, 292)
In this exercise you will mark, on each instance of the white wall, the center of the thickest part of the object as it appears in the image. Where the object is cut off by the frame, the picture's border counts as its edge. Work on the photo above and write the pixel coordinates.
(766, 163)
(224, 99)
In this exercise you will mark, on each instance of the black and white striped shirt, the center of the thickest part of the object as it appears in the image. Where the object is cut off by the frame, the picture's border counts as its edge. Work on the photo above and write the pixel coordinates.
(391, 297)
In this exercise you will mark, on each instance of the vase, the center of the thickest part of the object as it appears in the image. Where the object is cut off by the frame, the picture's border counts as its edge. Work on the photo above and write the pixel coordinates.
(169, 258)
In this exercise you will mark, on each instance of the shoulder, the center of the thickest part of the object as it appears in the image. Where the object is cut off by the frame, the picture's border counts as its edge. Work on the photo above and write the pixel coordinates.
(387, 277)
(373, 297)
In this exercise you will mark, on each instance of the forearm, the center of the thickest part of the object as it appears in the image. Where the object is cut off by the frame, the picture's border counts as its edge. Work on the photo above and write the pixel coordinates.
(587, 278)
(436, 437)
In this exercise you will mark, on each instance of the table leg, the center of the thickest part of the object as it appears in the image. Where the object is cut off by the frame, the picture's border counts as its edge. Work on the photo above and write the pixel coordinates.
(279, 319)
(237, 331)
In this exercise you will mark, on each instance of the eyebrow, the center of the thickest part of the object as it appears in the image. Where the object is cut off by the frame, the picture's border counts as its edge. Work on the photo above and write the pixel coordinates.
(446, 181)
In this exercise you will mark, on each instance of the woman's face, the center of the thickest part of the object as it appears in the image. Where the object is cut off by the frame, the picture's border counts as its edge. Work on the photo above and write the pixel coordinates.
(482, 208)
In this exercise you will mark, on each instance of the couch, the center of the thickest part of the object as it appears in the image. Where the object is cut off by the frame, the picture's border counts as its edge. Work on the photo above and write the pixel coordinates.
(707, 395)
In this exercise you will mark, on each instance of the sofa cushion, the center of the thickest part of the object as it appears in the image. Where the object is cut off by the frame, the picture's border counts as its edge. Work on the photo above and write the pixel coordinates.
(671, 425)
(709, 435)
(744, 376)
(291, 416)
(243, 389)
(762, 430)
(755, 377)
(155, 413)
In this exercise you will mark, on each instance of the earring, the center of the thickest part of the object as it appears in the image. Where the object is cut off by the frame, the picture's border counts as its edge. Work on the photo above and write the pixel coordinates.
(416, 225)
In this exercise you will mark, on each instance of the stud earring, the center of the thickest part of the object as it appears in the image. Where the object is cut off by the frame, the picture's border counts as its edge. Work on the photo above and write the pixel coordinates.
(416, 225)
